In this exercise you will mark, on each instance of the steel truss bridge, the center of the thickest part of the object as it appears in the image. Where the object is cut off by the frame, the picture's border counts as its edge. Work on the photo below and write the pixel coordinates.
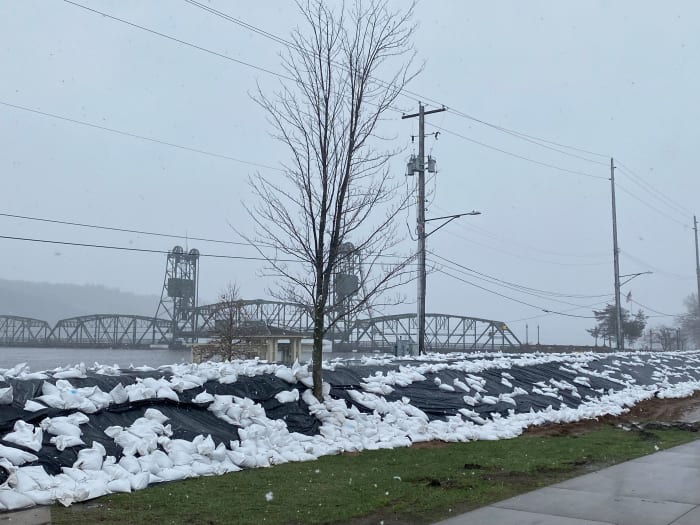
(443, 332)
(89, 331)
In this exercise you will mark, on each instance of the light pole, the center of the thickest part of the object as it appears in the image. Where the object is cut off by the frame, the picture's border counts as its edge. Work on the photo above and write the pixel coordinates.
(629, 276)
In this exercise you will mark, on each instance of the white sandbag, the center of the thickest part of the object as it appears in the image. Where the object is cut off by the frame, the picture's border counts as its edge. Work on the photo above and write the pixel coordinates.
(49, 389)
(203, 397)
(180, 445)
(220, 453)
(286, 374)
(161, 459)
(90, 458)
(228, 379)
(41, 497)
(116, 471)
(119, 394)
(148, 464)
(64, 442)
(140, 480)
(27, 435)
(147, 445)
(155, 415)
(203, 469)
(6, 395)
(39, 475)
(95, 489)
(76, 474)
(67, 497)
(172, 474)
(101, 399)
(22, 482)
(61, 427)
(53, 401)
(13, 500)
(78, 372)
(167, 393)
(288, 396)
(205, 446)
(179, 457)
(119, 485)
(77, 418)
(180, 385)
(113, 431)
(32, 406)
(16, 456)
(130, 464)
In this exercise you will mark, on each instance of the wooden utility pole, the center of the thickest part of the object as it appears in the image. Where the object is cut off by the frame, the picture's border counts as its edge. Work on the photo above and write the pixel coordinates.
(420, 220)
(697, 259)
(616, 258)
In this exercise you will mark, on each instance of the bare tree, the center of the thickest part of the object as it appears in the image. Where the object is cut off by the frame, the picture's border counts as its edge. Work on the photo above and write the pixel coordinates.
(666, 336)
(227, 322)
(689, 322)
(336, 199)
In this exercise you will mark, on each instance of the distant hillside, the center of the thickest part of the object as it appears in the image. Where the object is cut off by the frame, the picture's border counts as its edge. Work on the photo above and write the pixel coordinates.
(51, 302)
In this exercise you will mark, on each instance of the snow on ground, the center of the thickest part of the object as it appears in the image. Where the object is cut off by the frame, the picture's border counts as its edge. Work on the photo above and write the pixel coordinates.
(76, 433)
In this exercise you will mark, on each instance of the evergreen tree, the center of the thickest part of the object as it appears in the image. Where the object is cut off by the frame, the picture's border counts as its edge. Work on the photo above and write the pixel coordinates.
(606, 324)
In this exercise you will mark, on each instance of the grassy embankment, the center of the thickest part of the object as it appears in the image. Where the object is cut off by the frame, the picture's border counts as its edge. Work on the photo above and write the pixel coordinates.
(421, 484)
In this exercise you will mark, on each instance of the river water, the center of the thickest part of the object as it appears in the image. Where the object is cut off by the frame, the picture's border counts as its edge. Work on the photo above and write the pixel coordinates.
(47, 358)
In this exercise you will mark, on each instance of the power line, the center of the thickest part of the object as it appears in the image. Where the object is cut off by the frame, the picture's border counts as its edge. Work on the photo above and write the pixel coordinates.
(651, 190)
(660, 314)
(278, 39)
(512, 288)
(525, 289)
(156, 234)
(519, 255)
(512, 298)
(123, 230)
(136, 136)
(500, 238)
(651, 206)
(535, 140)
(416, 97)
(656, 269)
(141, 250)
(180, 41)
(565, 311)
(518, 156)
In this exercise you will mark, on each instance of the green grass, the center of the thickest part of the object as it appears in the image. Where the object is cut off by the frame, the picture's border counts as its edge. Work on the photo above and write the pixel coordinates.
(412, 485)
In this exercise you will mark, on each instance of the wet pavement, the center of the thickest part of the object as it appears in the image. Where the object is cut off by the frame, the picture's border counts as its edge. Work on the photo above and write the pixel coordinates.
(33, 516)
(658, 489)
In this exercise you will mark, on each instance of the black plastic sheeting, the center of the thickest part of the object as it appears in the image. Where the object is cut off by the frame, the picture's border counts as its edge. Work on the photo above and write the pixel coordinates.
(188, 419)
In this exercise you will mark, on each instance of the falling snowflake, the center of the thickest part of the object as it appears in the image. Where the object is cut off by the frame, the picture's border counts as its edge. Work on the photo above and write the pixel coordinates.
(269, 496)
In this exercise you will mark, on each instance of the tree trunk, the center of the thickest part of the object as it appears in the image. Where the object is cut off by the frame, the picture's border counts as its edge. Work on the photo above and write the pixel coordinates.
(317, 354)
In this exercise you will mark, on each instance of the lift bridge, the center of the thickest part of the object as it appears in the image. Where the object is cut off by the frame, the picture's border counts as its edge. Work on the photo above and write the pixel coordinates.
(180, 320)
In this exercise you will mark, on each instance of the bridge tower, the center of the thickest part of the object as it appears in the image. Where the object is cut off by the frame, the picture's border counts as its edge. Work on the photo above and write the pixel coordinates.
(346, 285)
(178, 300)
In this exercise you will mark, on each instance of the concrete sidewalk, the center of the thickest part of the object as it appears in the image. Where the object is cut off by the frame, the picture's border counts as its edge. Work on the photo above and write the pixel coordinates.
(659, 489)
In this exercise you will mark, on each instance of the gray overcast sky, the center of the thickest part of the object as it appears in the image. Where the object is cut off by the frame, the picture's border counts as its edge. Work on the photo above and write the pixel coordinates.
(616, 78)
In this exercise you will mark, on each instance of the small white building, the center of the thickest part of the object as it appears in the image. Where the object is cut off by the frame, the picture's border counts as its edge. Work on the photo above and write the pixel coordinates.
(254, 339)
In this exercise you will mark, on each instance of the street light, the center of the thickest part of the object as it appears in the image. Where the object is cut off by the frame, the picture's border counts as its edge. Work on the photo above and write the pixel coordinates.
(632, 276)
(448, 219)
